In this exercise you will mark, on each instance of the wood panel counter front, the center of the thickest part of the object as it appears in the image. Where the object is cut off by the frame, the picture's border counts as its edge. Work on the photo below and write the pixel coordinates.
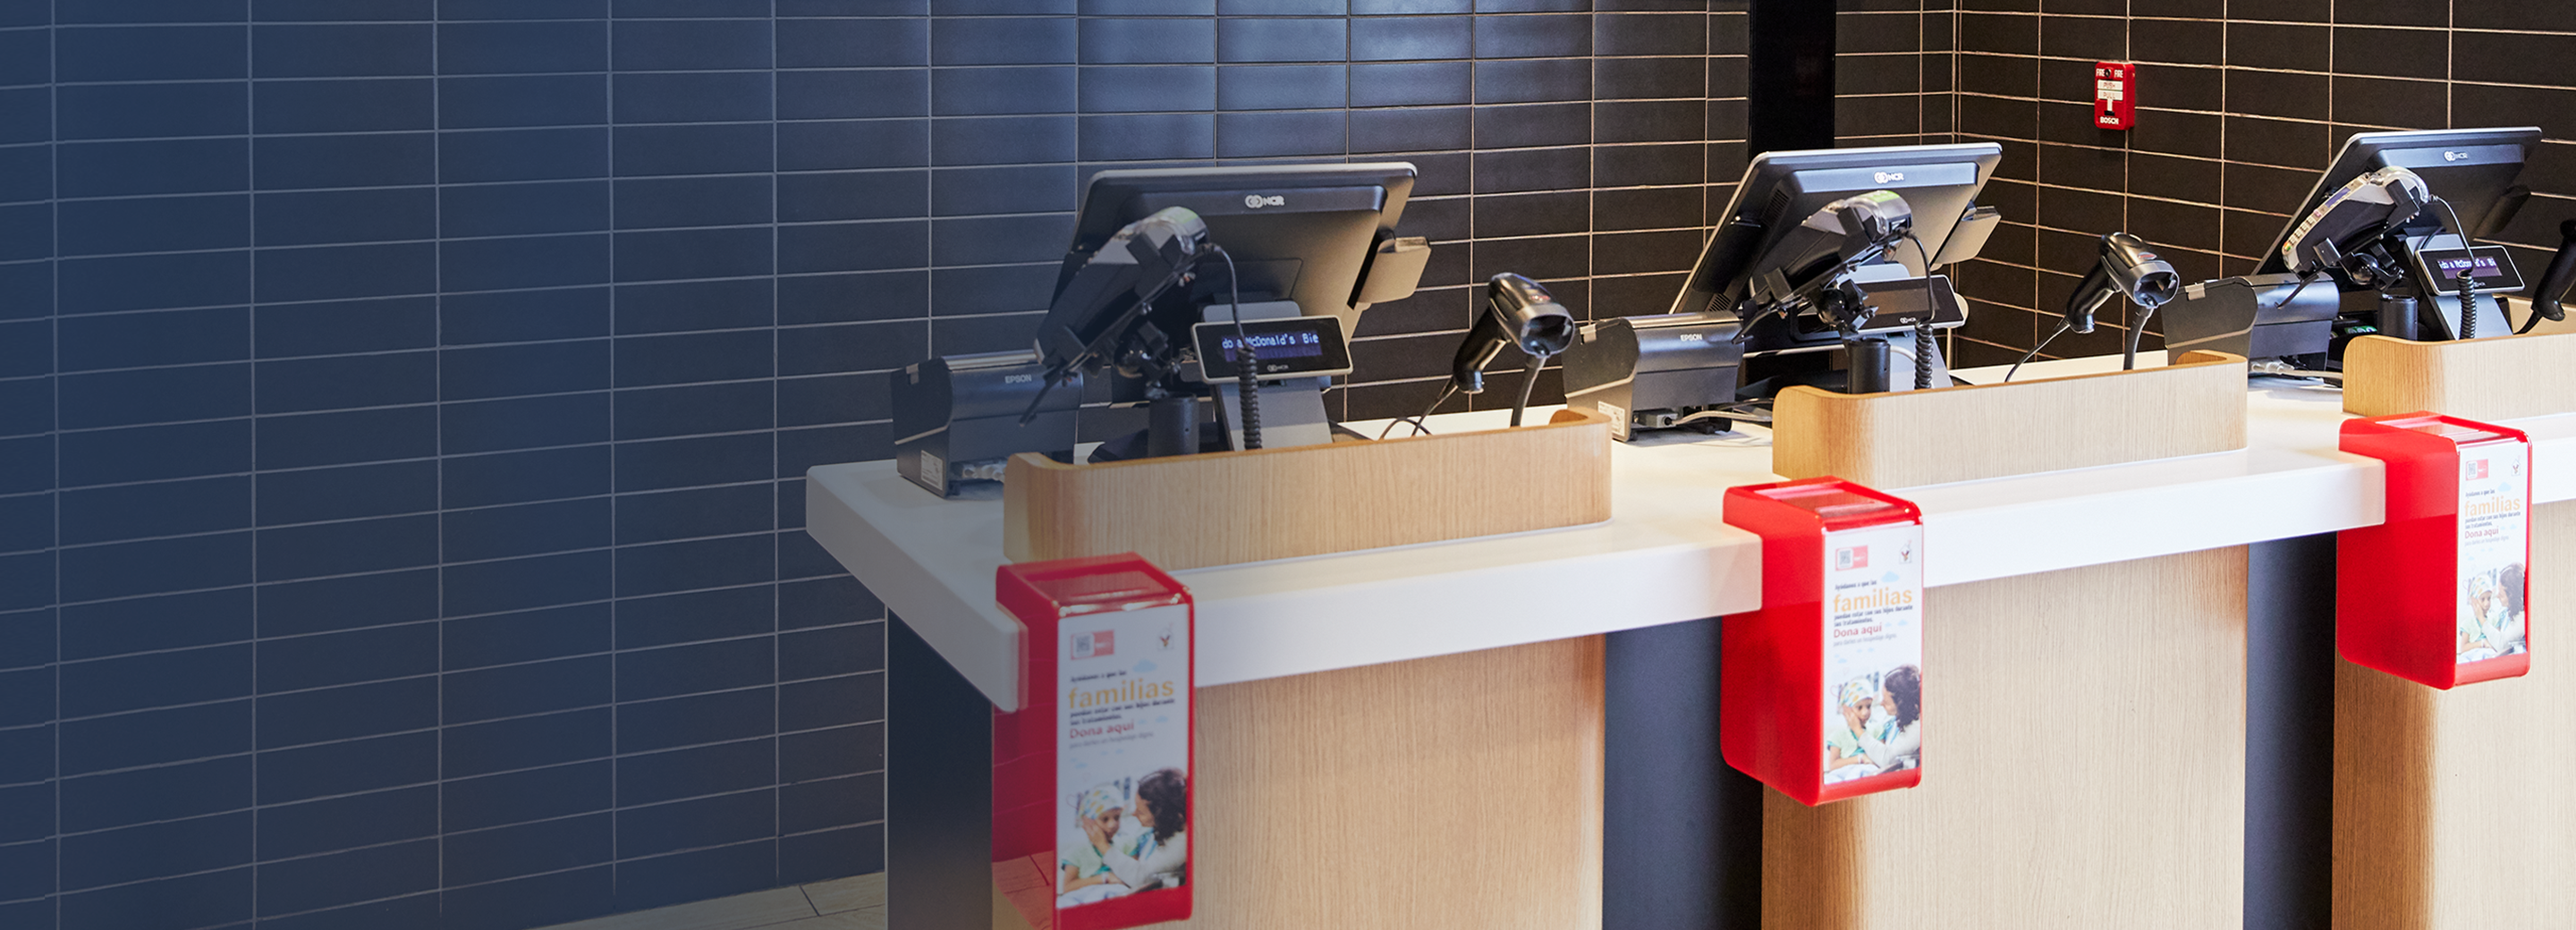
(2456, 810)
(2083, 765)
(1411, 737)
(1460, 792)
(2084, 729)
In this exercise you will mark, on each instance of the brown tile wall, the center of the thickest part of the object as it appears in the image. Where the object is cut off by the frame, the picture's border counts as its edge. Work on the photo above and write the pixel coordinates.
(2242, 102)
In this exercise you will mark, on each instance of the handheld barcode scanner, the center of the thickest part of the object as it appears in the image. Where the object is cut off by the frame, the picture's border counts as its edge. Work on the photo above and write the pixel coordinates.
(1517, 312)
(2545, 296)
(2127, 269)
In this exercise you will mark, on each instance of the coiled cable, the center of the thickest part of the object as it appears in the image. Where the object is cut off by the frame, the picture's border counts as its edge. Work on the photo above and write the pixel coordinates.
(1923, 345)
(1246, 378)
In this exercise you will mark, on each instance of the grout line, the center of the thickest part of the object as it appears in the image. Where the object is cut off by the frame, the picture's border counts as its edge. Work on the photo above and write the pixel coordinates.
(54, 314)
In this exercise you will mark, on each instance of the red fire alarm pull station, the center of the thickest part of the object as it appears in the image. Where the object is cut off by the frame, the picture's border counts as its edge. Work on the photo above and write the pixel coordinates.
(2115, 94)
(1821, 690)
(2434, 594)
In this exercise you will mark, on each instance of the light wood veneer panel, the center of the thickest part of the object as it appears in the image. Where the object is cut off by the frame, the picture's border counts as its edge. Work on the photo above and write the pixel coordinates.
(1908, 438)
(2482, 379)
(1460, 791)
(1231, 507)
(2084, 765)
(2457, 809)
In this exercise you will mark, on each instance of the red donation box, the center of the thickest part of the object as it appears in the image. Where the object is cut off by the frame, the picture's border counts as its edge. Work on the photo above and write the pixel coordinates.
(2435, 594)
(1092, 799)
(1821, 690)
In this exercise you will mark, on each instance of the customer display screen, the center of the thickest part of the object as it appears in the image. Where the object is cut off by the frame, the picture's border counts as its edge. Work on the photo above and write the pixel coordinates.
(1298, 347)
(2485, 267)
(1301, 344)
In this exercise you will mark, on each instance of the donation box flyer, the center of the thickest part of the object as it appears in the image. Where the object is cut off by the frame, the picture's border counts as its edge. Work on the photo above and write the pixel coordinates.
(2495, 537)
(1873, 662)
(1093, 805)
(1122, 754)
(2434, 592)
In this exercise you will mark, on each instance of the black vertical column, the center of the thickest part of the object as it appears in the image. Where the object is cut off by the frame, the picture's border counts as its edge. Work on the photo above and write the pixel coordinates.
(1681, 832)
(1791, 75)
(2289, 733)
(939, 790)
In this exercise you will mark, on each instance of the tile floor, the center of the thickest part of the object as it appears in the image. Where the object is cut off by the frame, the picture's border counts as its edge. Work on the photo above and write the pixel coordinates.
(855, 903)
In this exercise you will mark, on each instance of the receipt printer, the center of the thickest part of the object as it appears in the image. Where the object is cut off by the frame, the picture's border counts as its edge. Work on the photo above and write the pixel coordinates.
(957, 418)
(2259, 316)
(1655, 372)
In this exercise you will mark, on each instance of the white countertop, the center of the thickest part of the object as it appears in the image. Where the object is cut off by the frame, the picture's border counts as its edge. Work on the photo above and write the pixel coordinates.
(1665, 556)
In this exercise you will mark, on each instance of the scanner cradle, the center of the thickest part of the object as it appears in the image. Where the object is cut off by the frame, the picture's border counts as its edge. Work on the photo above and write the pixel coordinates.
(1730, 337)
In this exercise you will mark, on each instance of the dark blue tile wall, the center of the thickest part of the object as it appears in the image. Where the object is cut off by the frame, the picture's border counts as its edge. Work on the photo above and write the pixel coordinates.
(398, 516)
(404, 403)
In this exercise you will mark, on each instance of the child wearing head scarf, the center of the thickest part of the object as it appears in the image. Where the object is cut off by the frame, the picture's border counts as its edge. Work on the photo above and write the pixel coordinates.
(1844, 759)
(2487, 631)
(1084, 870)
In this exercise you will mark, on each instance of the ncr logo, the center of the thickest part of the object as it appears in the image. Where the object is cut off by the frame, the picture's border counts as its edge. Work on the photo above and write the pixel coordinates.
(1257, 201)
(1886, 176)
(2455, 156)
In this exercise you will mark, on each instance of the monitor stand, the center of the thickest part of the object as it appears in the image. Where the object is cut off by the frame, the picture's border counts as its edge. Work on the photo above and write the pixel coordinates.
(1173, 427)
(1292, 409)
(1889, 366)
(1292, 413)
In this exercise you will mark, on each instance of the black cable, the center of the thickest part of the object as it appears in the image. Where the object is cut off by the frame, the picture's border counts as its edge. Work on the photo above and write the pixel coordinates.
(2468, 275)
(2504, 308)
(2468, 308)
(1421, 428)
(1529, 379)
(1923, 346)
(1247, 381)
(2034, 352)
(2137, 330)
(2468, 292)
(1923, 355)
(2304, 281)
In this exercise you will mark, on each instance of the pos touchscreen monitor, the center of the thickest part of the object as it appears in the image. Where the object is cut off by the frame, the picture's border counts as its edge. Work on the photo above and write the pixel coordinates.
(1781, 189)
(1305, 233)
(2471, 169)
(1158, 252)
